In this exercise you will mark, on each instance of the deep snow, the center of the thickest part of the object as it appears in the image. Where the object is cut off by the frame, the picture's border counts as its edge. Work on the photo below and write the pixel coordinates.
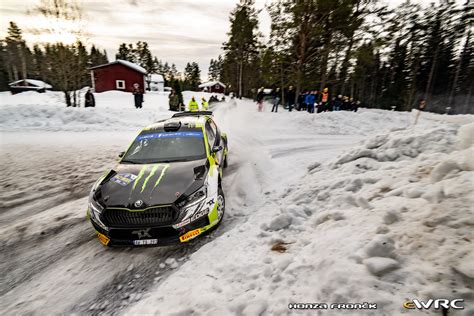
(357, 207)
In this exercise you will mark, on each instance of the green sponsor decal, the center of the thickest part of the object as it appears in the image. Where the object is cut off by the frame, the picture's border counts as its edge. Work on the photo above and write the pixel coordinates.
(161, 175)
(140, 175)
(152, 172)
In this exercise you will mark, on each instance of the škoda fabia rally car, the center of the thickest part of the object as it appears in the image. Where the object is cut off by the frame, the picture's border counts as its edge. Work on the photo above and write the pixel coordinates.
(166, 188)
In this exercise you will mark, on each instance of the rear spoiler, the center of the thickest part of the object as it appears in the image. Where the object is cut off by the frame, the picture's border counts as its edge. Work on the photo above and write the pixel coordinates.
(189, 113)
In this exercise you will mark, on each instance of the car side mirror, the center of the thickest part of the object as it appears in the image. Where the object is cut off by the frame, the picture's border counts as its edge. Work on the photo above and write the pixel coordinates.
(121, 154)
(216, 149)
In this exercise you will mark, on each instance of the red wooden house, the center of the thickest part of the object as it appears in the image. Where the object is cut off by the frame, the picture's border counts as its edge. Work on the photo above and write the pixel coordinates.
(117, 75)
(213, 86)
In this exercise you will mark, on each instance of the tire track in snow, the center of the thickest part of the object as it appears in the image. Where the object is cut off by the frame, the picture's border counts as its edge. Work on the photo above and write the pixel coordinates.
(136, 281)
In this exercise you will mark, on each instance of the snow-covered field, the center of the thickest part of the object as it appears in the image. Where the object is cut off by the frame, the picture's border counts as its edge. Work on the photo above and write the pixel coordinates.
(324, 208)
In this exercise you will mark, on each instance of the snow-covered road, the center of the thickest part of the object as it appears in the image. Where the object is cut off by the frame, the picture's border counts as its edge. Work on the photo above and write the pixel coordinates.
(51, 255)
(52, 263)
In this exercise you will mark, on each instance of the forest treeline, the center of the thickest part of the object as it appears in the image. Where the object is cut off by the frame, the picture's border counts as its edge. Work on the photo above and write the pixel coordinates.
(385, 57)
(359, 48)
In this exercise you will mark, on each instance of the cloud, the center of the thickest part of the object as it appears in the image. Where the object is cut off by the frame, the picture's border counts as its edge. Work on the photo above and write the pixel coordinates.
(178, 31)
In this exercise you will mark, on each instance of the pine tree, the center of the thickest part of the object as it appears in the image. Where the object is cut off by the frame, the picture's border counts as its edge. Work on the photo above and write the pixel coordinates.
(192, 76)
(97, 57)
(143, 57)
(241, 49)
(17, 53)
(215, 69)
(126, 52)
(3, 68)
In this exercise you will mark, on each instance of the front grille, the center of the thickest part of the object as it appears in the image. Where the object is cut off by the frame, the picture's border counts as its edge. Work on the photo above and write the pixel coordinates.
(154, 216)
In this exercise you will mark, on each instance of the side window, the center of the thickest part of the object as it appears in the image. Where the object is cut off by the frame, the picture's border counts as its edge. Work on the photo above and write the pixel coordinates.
(215, 130)
(211, 135)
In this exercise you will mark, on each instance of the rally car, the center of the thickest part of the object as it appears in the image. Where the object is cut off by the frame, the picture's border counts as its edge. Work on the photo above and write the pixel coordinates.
(166, 188)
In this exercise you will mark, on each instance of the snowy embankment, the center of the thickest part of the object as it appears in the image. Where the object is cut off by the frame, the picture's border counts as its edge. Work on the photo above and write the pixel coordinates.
(384, 222)
(311, 215)
(114, 111)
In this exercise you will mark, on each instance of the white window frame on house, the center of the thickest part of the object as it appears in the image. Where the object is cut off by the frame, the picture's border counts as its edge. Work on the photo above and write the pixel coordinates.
(120, 84)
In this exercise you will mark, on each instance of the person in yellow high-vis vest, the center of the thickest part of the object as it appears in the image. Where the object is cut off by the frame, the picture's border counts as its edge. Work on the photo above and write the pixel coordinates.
(193, 105)
(204, 104)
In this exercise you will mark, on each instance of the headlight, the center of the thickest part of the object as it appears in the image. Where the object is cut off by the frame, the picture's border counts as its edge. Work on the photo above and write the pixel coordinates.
(95, 209)
(192, 205)
(196, 197)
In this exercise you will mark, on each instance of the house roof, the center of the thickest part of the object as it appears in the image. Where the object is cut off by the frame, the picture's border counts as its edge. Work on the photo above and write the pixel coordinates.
(210, 84)
(156, 78)
(34, 82)
(126, 63)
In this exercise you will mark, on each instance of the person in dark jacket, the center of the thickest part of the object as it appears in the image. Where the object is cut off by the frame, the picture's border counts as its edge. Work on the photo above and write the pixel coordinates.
(346, 104)
(290, 98)
(351, 104)
(138, 95)
(300, 102)
(173, 101)
(356, 105)
(337, 103)
(89, 99)
(276, 99)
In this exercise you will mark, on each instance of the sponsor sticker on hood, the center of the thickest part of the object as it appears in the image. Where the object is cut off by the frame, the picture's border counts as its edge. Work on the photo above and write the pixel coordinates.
(123, 178)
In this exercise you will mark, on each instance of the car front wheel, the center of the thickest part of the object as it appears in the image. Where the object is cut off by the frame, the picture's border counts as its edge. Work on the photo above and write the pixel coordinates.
(220, 204)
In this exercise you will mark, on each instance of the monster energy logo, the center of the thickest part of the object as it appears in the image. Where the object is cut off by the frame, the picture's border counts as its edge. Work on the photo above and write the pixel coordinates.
(153, 171)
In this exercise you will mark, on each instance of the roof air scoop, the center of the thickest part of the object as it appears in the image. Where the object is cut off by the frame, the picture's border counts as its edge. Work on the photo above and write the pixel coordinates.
(172, 126)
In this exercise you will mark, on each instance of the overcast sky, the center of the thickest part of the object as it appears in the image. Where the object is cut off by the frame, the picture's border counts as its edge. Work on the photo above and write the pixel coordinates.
(178, 31)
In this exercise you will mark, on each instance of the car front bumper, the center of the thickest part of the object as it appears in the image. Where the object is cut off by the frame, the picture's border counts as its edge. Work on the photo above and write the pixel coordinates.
(154, 236)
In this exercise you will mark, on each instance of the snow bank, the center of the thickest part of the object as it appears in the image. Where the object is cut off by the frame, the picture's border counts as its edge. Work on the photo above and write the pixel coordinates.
(114, 111)
(387, 221)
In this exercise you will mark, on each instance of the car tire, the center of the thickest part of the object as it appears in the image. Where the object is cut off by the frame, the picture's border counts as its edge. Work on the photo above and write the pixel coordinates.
(220, 203)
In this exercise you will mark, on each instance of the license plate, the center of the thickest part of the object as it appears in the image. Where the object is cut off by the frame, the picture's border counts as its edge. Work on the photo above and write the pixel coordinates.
(145, 242)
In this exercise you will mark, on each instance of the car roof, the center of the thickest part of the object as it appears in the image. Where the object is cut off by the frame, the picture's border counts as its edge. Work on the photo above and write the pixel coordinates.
(187, 122)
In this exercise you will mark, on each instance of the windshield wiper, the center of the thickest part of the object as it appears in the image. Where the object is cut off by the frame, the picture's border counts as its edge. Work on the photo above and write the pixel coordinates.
(131, 162)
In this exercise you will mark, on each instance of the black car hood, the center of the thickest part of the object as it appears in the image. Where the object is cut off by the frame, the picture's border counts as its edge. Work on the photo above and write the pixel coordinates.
(152, 184)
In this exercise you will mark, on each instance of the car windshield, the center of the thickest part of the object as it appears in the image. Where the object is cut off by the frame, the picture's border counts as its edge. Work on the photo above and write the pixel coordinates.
(166, 147)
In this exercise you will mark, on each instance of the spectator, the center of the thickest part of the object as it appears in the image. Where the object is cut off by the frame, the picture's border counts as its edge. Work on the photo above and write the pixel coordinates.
(193, 105)
(324, 100)
(356, 105)
(345, 103)
(421, 107)
(89, 99)
(204, 104)
(337, 103)
(290, 98)
(276, 99)
(138, 95)
(310, 100)
(173, 101)
(351, 104)
(300, 101)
